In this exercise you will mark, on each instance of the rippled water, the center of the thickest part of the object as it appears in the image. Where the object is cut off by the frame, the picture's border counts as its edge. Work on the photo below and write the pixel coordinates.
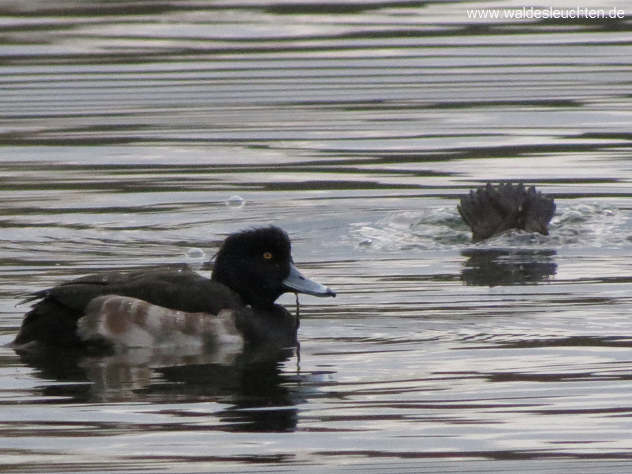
(143, 133)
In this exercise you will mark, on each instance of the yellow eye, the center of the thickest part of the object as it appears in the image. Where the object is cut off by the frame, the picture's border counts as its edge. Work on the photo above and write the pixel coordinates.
(267, 255)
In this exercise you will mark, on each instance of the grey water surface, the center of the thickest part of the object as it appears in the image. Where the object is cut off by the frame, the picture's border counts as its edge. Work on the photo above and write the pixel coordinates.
(142, 133)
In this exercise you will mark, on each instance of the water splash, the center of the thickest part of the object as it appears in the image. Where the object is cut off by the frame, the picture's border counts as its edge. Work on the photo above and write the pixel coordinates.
(591, 225)
(577, 225)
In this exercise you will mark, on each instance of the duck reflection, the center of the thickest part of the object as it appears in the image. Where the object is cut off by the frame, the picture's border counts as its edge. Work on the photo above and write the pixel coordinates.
(495, 267)
(249, 381)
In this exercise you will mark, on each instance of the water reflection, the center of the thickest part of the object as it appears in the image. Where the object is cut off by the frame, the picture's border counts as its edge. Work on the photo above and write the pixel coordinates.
(250, 382)
(571, 341)
(494, 267)
(128, 130)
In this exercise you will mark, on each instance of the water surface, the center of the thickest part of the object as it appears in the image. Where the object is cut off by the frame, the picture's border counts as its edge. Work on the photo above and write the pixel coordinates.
(143, 133)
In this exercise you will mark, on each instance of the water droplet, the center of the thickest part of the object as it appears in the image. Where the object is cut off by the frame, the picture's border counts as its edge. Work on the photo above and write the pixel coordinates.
(235, 201)
(195, 253)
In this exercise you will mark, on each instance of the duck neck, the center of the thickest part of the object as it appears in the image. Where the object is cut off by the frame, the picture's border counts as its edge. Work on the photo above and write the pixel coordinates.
(249, 291)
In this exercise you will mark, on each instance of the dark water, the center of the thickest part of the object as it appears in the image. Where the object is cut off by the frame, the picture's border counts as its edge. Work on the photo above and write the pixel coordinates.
(142, 133)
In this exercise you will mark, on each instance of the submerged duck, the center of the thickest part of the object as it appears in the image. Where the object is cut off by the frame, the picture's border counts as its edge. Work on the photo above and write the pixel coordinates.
(178, 306)
(491, 210)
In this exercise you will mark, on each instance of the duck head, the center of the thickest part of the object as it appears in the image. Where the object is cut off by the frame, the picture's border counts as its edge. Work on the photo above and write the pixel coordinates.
(257, 264)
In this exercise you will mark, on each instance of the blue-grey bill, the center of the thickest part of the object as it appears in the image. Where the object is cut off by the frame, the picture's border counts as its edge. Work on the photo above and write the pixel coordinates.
(298, 283)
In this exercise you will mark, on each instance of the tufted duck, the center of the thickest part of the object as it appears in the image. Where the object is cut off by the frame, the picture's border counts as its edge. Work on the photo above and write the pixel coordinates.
(491, 210)
(178, 306)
